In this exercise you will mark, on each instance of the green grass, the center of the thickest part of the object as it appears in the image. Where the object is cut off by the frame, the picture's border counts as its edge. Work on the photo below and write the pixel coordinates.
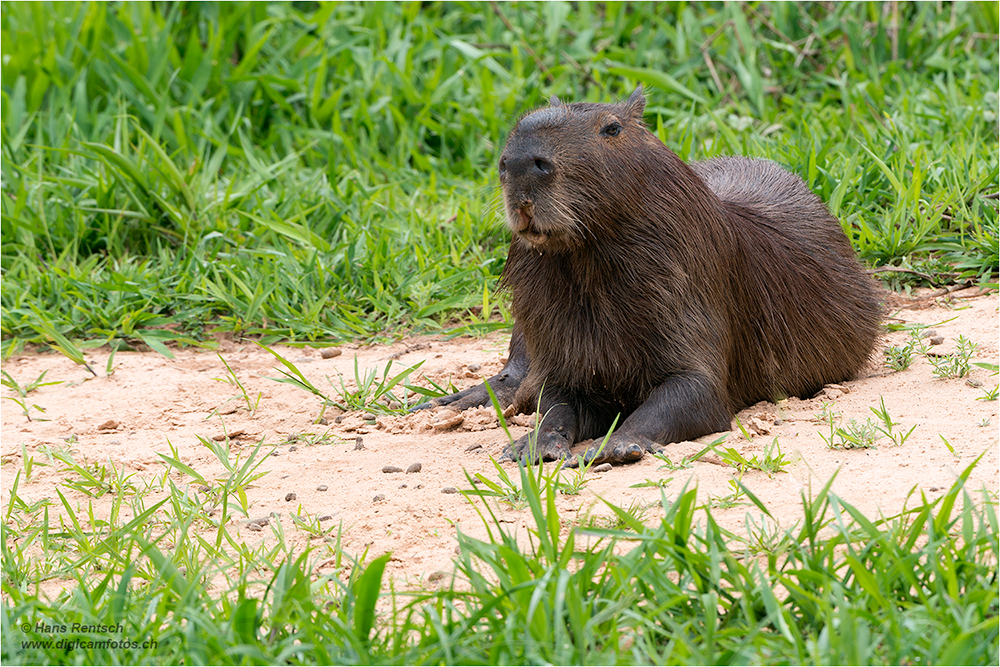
(915, 588)
(312, 173)
(315, 173)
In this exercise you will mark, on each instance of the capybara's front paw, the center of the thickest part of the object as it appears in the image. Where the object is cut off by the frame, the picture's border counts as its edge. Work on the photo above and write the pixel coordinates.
(621, 447)
(545, 446)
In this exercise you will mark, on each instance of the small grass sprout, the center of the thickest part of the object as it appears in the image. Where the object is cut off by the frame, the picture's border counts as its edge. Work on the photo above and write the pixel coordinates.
(374, 392)
(652, 483)
(899, 358)
(956, 364)
(989, 394)
(94, 480)
(887, 425)
(731, 500)
(506, 489)
(23, 391)
(855, 435)
(772, 461)
(29, 463)
(231, 378)
(578, 477)
(950, 448)
(687, 461)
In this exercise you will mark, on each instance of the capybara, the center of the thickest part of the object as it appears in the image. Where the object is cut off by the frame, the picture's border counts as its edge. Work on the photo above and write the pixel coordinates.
(662, 294)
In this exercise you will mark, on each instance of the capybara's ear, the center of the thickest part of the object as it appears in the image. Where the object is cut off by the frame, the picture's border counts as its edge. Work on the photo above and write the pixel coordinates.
(636, 103)
(555, 101)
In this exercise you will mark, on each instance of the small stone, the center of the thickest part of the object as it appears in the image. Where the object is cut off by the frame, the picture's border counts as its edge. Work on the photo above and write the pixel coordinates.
(262, 521)
(419, 486)
(323, 421)
(290, 497)
(937, 340)
(402, 486)
(474, 446)
(604, 467)
(109, 425)
(391, 469)
(449, 489)
(930, 333)
(368, 417)
(325, 517)
(379, 498)
(255, 527)
(414, 467)
(436, 576)
(204, 488)
(231, 435)
(331, 352)
(338, 419)
(359, 442)
(293, 448)
(395, 405)
(475, 367)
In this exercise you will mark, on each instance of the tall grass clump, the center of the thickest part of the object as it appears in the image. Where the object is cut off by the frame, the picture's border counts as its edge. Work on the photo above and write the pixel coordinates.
(314, 172)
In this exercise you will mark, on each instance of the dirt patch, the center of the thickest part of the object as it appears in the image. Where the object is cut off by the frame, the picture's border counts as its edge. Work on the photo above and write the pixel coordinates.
(390, 481)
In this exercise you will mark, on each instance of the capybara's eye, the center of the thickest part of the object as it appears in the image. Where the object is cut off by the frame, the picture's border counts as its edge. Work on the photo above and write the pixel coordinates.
(503, 166)
(612, 129)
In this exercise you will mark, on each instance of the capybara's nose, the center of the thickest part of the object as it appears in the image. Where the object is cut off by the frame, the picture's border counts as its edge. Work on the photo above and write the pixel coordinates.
(526, 166)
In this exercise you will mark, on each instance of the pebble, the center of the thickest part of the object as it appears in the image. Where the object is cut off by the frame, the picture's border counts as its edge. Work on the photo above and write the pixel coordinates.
(331, 352)
(474, 446)
(414, 467)
(325, 517)
(293, 448)
(402, 486)
(475, 367)
(322, 487)
(359, 443)
(379, 498)
(290, 497)
(109, 425)
(390, 469)
(604, 467)
(449, 489)
(368, 416)
(937, 340)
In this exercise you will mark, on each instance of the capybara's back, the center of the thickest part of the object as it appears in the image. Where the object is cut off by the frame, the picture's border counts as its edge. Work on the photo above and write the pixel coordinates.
(815, 313)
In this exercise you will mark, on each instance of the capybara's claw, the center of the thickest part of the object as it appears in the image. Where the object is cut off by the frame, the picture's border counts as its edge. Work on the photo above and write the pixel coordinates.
(620, 448)
(547, 446)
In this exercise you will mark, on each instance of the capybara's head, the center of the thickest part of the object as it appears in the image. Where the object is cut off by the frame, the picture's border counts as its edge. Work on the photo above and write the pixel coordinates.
(569, 169)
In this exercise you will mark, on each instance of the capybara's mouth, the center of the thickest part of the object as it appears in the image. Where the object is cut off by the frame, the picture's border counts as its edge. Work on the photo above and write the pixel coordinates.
(524, 225)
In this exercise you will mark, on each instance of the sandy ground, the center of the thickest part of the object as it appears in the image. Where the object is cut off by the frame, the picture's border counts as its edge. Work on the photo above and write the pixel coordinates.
(318, 472)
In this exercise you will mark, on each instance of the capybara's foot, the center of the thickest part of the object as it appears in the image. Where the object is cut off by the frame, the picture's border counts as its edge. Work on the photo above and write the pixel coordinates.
(548, 446)
(620, 448)
(472, 397)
